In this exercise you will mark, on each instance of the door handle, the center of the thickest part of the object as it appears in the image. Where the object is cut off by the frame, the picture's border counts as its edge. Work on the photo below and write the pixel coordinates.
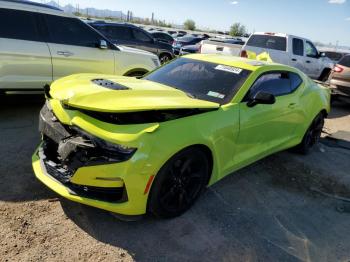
(65, 53)
(308, 61)
(293, 59)
(292, 105)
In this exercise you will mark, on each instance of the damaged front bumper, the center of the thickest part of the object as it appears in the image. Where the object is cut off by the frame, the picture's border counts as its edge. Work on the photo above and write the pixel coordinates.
(86, 169)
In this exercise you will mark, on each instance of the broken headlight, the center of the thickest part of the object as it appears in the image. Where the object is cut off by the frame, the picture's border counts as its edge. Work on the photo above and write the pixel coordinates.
(96, 150)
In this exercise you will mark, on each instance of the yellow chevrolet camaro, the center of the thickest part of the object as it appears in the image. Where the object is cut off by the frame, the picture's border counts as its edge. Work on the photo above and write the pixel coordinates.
(133, 146)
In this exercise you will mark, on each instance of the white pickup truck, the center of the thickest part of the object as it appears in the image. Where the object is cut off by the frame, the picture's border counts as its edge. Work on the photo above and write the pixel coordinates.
(282, 48)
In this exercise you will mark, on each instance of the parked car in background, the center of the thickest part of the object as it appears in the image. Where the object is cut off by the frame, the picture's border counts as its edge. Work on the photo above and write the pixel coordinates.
(183, 41)
(40, 43)
(154, 144)
(335, 56)
(236, 41)
(177, 35)
(339, 79)
(130, 35)
(163, 37)
(291, 50)
(190, 49)
(227, 46)
(171, 32)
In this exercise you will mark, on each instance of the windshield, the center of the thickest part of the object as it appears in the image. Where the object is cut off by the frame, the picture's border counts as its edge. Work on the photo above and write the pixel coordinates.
(202, 80)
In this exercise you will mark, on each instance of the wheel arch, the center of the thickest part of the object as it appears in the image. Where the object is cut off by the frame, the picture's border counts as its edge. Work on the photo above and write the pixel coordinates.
(135, 70)
(164, 52)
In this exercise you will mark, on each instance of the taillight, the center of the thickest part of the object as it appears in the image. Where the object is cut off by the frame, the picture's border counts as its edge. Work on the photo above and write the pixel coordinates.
(244, 54)
(338, 69)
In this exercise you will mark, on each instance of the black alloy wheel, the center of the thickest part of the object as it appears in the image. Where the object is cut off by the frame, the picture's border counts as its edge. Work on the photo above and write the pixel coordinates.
(312, 135)
(164, 58)
(179, 183)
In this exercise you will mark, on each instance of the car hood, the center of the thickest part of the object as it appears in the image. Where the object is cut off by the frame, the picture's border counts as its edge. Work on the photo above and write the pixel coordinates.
(121, 94)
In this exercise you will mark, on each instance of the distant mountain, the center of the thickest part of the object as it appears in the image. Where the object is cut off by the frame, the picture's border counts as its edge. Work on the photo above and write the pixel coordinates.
(89, 11)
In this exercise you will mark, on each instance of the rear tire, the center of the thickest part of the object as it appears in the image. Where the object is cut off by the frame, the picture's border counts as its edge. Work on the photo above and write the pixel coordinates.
(324, 75)
(312, 135)
(179, 183)
(164, 58)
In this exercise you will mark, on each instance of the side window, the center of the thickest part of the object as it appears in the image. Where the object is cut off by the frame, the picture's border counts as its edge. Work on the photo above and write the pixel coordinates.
(295, 81)
(16, 24)
(298, 47)
(119, 33)
(141, 36)
(311, 50)
(71, 31)
(276, 83)
(345, 61)
(101, 29)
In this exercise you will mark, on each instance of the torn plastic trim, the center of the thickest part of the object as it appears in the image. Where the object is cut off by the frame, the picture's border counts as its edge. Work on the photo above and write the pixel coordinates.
(72, 147)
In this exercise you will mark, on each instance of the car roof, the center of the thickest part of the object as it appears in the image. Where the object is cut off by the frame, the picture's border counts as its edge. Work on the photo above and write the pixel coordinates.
(112, 24)
(33, 7)
(235, 61)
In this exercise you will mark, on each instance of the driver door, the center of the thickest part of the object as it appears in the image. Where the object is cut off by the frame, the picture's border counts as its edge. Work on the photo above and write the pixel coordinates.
(74, 48)
(264, 129)
(313, 67)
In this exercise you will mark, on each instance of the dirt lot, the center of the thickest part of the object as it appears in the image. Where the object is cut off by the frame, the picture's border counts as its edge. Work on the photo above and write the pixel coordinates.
(264, 212)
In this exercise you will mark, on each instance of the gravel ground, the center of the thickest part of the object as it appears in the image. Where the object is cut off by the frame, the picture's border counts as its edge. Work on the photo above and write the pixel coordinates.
(264, 212)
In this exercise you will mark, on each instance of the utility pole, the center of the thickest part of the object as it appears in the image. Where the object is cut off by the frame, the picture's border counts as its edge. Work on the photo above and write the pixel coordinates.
(152, 20)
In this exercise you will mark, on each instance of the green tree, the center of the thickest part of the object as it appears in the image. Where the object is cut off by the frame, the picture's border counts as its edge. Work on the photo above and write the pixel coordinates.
(237, 29)
(190, 24)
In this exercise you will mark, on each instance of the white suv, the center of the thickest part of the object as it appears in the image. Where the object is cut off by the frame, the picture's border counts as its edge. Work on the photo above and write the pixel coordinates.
(291, 50)
(40, 43)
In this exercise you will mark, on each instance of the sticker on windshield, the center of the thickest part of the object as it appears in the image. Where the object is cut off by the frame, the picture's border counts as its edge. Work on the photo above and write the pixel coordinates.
(230, 69)
(216, 94)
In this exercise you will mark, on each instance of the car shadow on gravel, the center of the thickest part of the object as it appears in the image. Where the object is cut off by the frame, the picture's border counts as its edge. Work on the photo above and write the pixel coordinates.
(264, 212)
(19, 137)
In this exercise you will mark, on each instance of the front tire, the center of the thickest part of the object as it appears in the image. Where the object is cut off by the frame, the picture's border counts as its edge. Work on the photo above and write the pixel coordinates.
(179, 183)
(312, 135)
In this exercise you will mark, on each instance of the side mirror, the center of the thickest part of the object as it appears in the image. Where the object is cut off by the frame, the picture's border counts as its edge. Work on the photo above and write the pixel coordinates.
(261, 98)
(322, 54)
(103, 44)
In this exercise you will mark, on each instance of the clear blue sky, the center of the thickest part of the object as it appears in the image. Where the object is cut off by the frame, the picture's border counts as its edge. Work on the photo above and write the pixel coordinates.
(320, 20)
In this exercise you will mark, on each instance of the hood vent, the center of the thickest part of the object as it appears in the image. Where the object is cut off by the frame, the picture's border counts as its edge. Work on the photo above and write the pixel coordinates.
(109, 84)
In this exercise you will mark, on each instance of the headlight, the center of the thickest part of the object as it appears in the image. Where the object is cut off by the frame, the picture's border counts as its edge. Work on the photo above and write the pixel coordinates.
(104, 151)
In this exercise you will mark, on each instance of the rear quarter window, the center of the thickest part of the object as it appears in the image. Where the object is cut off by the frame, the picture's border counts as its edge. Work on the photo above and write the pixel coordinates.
(268, 42)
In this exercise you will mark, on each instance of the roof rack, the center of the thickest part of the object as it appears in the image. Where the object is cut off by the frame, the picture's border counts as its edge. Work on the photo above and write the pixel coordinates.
(32, 4)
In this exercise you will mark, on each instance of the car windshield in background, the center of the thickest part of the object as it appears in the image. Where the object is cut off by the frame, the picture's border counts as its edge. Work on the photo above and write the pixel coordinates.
(187, 38)
(202, 80)
(268, 41)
